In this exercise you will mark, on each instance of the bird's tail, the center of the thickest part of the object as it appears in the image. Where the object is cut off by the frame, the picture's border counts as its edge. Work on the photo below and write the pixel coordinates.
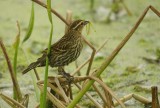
(40, 62)
(30, 67)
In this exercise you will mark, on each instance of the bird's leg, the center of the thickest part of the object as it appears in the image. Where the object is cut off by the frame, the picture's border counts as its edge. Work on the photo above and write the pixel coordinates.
(62, 72)
(68, 77)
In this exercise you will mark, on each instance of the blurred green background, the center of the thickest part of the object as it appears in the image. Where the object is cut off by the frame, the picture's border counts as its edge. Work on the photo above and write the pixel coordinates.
(128, 72)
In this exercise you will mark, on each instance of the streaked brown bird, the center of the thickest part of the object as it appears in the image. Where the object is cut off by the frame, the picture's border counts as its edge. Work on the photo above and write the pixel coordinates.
(64, 51)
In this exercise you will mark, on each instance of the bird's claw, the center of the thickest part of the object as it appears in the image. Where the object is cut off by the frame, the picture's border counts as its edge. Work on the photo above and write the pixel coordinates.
(68, 77)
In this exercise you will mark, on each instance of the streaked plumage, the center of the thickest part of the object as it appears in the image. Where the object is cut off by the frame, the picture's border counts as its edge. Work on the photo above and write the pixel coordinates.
(64, 51)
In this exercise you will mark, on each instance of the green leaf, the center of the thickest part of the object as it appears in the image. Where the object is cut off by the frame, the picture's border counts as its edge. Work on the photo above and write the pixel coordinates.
(49, 10)
(16, 46)
(88, 28)
(30, 26)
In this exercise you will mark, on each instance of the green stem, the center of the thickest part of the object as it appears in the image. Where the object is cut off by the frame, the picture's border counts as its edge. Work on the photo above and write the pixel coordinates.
(43, 100)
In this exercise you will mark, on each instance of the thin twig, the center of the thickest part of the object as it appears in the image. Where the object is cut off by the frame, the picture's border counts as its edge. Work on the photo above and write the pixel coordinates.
(11, 101)
(90, 97)
(92, 55)
(14, 79)
(36, 73)
(25, 100)
(106, 88)
(99, 91)
(82, 65)
(155, 101)
(61, 90)
(53, 99)
(140, 98)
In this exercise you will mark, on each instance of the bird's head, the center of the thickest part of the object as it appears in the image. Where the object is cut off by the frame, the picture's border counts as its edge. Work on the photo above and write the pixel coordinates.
(78, 25)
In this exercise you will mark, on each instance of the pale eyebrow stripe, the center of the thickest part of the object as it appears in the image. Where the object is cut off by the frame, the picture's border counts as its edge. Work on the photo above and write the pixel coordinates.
(78, 24)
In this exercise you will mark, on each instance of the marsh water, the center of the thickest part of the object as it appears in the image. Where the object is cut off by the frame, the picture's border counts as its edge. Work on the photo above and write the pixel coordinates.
(134, 70)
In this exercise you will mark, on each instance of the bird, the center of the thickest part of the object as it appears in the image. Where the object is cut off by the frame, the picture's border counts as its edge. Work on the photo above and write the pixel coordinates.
(65, 50)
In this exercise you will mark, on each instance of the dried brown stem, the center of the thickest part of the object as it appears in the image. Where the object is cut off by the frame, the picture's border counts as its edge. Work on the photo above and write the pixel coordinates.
(61, 90)
(53, 99)
(100, 93)
(135, 96)
(55, 89)
(155, 101)
(25, 100)
(14, 79)
(140, 98)
(82, 65)
(90, 97)
(92, 55)
(108, 97)
(36, 73)
(63, 80)
(106, 88)
(10, 101)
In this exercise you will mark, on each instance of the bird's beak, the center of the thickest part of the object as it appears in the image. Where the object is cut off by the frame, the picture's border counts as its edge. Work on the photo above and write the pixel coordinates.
(85, 22)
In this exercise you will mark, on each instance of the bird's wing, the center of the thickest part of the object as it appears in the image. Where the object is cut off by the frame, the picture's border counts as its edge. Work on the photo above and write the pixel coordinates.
(60, 46)
(64, 43)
